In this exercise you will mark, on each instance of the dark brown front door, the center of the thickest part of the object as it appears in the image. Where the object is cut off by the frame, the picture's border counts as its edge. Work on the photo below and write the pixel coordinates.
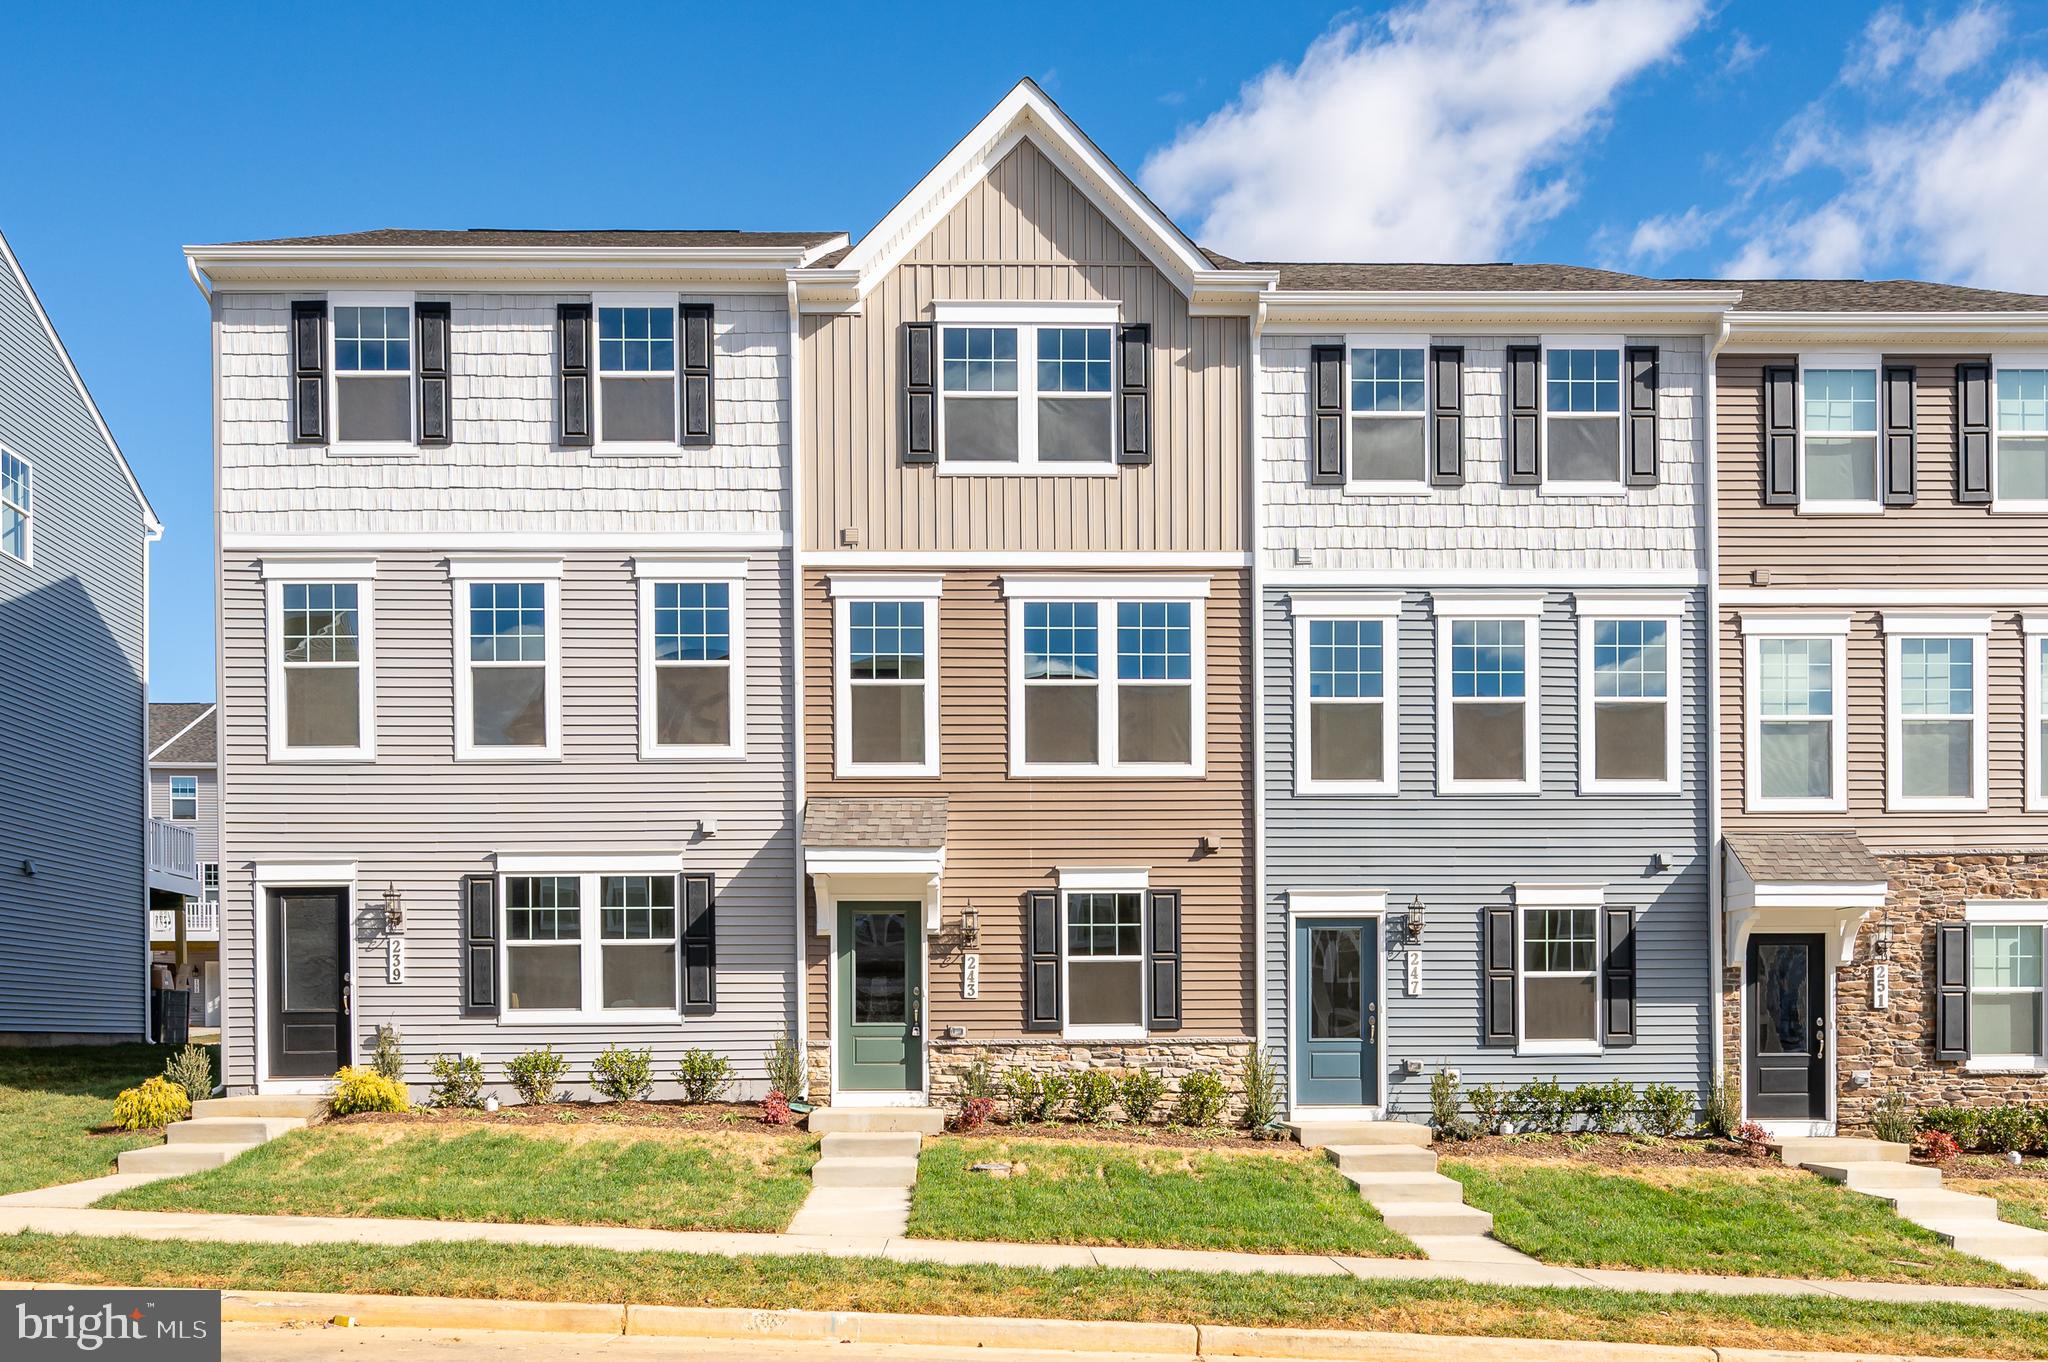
(1786, 1045)
(309, 982)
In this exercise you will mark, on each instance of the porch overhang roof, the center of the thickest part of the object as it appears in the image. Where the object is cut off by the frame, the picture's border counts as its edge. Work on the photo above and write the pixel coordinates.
(876, 848)
(1825, 882)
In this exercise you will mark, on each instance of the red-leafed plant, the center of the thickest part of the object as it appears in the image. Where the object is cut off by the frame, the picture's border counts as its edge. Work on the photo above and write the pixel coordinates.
(775, 1109)
(975, 1112)
(1937, 1146)
(1754, 1139)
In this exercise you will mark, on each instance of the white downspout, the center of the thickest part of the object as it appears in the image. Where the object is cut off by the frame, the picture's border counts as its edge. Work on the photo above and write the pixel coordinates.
(799, 1028)
(1257, 727)
(1716, 947)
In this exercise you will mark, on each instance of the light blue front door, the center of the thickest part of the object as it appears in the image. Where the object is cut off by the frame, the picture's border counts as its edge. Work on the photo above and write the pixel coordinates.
(1337, 1012)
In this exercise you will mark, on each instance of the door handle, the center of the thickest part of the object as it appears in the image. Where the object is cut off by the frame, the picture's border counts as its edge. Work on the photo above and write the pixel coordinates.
(1372, 1022)
(1820, 1039)
(348, 992)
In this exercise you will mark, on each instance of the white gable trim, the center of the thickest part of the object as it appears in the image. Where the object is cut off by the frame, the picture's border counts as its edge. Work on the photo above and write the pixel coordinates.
(203, 715)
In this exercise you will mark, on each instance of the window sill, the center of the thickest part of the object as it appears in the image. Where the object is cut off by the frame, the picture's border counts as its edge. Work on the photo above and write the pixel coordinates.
(1412, 491)
(1581, 489)
(1795, 806)
(850, 771)
(1107, 772)
(1629, 787)
(1534, 1048)
(1381, 789)
(1103, 1033)
(1970, 804)
(372, 450)
(509, 754)
(330, 756)
(1026, 470)
(654, 450)
(1489, 787)
(2019, 508)
(1840, 508)
(2015, 1065)
(731, 753)
(609, 1017)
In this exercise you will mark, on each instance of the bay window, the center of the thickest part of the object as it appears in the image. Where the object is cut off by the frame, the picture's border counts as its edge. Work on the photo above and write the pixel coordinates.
(321, 691)
(1934, 711)
(1488, 664)
(692, 698)
(1838, 434)
(1794, 712)
(1025, 388)
(886, 675)
(1346, 701)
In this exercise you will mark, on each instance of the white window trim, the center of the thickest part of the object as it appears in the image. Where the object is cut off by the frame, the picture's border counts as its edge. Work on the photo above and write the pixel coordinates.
(2033, 632)
(1525, 606)
(1975, 627)
(546, 571)
(1545, 485)
(589, 943)
(652, 572)
(1106, 593)
(2007, 913)
(335, 379)
(361, 573)
(1025, 317)
(1834, 627)
(1592, 610)
(1106, 880)
(1530, 897)
(209, 894)
(1386, 609)
(2011, 359)
(28, 511)
(1388, 486)
(1853, 360)
(599, 445)
(194, 796)
(846, 587)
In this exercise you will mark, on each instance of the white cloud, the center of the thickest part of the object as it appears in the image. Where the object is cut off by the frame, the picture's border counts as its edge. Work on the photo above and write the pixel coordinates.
(1440, 133)
(1741, 54)
(1659, 238)
(1926, 54)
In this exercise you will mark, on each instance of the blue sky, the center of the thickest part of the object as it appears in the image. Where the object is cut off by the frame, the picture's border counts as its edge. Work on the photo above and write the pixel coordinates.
(1667, 136)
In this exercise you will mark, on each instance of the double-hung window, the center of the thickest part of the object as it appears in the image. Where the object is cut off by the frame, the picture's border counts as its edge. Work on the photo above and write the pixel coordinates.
(886, 706)
(595, 943)
(508, 659)
(1106, 676)
(543, 943)
(373, 364)
(637, 941)
(1628, 684)
(2034, 628)
(1560, 974)
(636, 370)
(1105, 936)
(1033, 395)
(1487, 715)
(692, 699)
(1838, 434)
(1795, 712)
(209, 883)
(1346, 695)
(16, 509)
(2019, 467)
(1582, 445)
(1389, 406)
(2006, 1013)
(184, 797)
(1934, 711)
(321, 688)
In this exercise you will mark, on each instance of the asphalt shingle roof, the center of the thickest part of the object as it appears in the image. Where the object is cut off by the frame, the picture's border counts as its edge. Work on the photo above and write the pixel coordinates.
(174, 719)
(875, 822)
(1805, 857)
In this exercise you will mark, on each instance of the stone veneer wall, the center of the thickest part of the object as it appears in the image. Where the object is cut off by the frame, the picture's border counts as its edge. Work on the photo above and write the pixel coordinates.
(1171, 1057)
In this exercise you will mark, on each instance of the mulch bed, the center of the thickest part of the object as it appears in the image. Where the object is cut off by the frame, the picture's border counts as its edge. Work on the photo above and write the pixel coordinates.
(738, 1117)
(1609, 1151)
(1987, 1166)
(1146, 1137)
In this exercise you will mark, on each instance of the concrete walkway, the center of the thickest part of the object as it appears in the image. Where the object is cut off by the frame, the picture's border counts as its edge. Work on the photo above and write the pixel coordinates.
(282, 1229)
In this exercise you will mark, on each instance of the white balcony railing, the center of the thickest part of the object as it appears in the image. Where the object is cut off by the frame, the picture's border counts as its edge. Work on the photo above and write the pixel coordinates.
(173, 857)
(202, 922)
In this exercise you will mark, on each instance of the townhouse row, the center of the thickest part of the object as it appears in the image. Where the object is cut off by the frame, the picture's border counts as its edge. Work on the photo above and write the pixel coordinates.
(1023, 633)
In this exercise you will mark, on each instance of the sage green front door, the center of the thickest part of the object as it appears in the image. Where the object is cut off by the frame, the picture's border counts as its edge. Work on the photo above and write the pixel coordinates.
(881, 998)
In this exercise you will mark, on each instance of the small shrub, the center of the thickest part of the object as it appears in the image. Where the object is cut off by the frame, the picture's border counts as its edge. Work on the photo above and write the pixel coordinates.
(1200, 1100)
(1937, 1147)
(1665, 1110)
(1026, 1091)
(155, 1102)
(979, 1078)
(622, 1075)
(387, 1057)
(1444, 1117)
(536, 1075)
(1544, 1106)
(191, 1072)
(1892, 1120)
(1723, 1116)
(364, 1089)
(1754, 1139)
(1261, 1080)
(1609, 1108)
(1490, 1108)
(705, 1077)
(458, 1082)
(786, 1066)
(1094, 1095)
(2002, 1130)
(1959, 1123)
(975, 1112)
(775, 1109)
(1141, 1091)
(1055, 1089)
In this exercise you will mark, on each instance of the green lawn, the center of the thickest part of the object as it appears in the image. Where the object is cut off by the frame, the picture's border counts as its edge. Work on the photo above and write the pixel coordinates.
(610, 1176)
(1277, 1201)
(51, 1098)
(505, 1271)
(1738, 1221)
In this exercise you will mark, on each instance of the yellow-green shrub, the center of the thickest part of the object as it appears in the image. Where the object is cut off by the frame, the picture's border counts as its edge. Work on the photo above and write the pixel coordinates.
(366, 1090)
(155, 1103)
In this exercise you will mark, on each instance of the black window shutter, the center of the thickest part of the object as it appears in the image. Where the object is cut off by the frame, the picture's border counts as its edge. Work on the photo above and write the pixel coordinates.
(1781, 436)
(1973, 434)
(1951, 991)
(1618, 1025)
(1897, 464)
(1497, 995)
(309, 373)
(1162, 959)
(1447, 415)
(1134, 342)
(1326, 414)
(1642, 416)
(572, 350)
(433, 322)
(700, 947)
(920, 402)
(1525, 415)
(700, 397)
(1042, 961)
(480, 946)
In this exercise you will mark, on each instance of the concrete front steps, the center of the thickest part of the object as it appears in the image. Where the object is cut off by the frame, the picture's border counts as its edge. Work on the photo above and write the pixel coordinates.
(1968, 1222)
(221, 1128)
(1394, 1169)
(867, 1164)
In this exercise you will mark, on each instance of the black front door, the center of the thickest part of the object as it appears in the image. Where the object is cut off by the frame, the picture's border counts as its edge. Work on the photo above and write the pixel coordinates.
(1786, 1045)
(308, 982)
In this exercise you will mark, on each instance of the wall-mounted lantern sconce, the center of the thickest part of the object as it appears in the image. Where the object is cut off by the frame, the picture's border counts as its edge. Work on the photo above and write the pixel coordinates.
(970, 927)
(394, 908)
(1881, 944)
(1413, 926)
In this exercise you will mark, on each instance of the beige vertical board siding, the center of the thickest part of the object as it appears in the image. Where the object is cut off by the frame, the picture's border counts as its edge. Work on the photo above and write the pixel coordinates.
(1932, 544)
(206, 825)
(1006, 836)
(1024, 232)
(419, 820)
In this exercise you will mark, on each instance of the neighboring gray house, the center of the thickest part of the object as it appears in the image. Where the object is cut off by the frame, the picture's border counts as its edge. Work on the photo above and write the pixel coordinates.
(505, 689)
(79, 857)
(1485, 791)
(184, 789)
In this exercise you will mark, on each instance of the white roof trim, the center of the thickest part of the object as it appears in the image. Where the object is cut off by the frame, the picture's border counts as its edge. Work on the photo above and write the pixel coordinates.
(182, 732)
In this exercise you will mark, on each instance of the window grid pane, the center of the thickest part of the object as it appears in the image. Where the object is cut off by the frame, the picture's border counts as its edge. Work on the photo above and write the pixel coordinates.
(1841, 400)
(636, 340)
(372, 340)
(320, 622)
(1060, 641)
(1386, 381)
(1558, 940)
(543, 908)
(1629, 659)
(1796, 677)
(1583, 381)
(1935, 677)
(886, 640)
(1154, 641)
(507, 622)
(1105, 925)
(1488, 659)
(2005, 956)
(1073, 359)
(979, 359)
(1346, 659)
(638, 907)
(692, 621)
